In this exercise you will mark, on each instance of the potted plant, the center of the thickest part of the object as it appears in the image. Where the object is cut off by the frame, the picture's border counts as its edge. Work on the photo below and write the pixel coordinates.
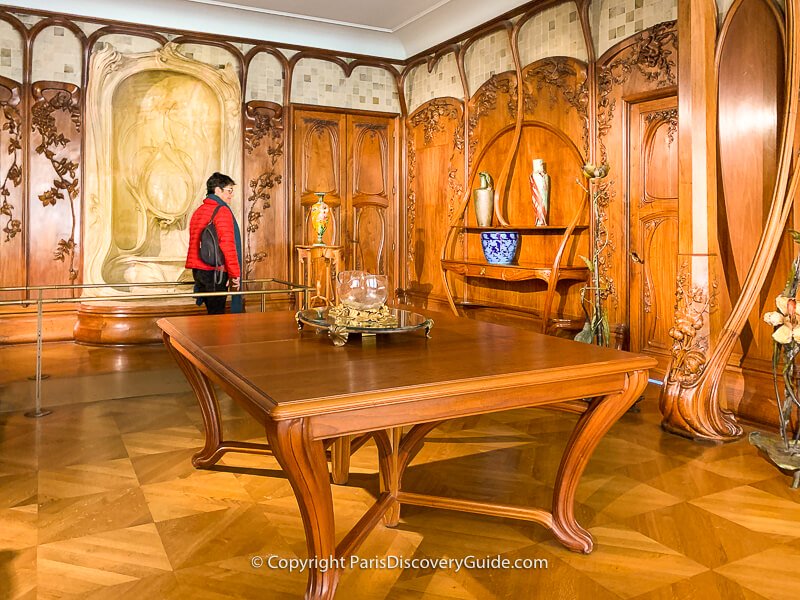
(783, 450)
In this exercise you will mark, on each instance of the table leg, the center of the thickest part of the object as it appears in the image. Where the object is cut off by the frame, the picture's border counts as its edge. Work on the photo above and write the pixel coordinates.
(602, 413)
(303, 460)
(340, 459)
(209, 408)
(395, 452)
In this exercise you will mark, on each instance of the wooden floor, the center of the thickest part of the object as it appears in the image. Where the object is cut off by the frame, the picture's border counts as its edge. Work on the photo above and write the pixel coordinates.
(99, 500)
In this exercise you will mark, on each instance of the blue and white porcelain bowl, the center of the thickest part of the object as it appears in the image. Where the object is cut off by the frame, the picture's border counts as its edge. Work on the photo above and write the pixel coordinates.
(500, 247)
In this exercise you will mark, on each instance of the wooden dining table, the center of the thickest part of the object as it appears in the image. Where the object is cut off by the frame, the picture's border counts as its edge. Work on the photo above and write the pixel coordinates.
(396, 388)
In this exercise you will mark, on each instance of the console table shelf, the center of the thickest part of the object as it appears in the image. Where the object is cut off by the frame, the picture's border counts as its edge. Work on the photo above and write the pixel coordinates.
(523, 229)
(521, 272)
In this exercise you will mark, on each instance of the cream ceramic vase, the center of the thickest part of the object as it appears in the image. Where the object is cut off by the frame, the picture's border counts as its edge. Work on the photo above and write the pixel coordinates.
(540, 192)
(483, 199)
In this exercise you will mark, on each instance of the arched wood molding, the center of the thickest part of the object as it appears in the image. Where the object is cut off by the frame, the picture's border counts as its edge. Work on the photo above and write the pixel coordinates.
(690, 405)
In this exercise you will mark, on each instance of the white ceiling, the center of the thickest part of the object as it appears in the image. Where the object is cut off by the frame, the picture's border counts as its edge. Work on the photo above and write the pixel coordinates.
(366, 14)
(393, 29)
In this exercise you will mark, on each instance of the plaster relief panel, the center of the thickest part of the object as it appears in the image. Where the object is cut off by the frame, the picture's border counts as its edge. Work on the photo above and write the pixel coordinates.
(158, 125)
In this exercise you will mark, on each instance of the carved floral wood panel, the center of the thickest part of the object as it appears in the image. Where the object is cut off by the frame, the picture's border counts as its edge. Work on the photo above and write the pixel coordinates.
(12, 247)
(435, 147)
(266, 247)
(54, 205)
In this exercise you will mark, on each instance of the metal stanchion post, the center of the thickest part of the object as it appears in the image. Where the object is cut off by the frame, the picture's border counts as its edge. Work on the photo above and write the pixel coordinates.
(38, 412)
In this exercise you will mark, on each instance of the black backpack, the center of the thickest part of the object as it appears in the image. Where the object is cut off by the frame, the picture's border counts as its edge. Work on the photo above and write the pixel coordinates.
(210, 252)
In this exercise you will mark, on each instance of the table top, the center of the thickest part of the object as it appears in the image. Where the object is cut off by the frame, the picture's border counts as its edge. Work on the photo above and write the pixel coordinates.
(288, 374)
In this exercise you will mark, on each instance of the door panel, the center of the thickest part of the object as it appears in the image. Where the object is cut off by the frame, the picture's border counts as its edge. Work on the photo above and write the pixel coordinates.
(653, 235)
(351, 157)
(319, 166)
(371, 181)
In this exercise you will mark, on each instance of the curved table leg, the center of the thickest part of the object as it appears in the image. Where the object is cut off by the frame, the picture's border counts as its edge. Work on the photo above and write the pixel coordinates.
(303, 461)
(591, 427)
(209, 408)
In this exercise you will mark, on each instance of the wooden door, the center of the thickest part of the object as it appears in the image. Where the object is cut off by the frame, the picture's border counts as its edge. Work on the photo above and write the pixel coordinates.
(653, 234)
(320, 151)
(351, 157)
(371, 191)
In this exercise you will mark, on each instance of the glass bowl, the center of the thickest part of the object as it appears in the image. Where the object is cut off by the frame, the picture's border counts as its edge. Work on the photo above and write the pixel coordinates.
(361, 290)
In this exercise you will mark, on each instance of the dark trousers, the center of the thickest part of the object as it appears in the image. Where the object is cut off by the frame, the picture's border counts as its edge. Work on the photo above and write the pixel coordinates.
(204, 282)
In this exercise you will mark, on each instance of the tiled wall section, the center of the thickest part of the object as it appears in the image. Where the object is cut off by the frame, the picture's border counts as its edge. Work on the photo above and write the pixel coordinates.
(128, 44)
(489, 55)
(323, 83)
(553, 32)
(441, 82)
(264, 79)
(10, 52)
(28, 20)
(615, 20)
(211, 55)
(57, 56)
(88, 28)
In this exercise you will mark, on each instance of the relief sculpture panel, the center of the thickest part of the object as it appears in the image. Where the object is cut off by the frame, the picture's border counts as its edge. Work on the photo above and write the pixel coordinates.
(159, 124)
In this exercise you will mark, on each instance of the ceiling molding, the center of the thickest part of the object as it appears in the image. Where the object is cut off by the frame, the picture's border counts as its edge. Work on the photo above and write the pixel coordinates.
(428, 28)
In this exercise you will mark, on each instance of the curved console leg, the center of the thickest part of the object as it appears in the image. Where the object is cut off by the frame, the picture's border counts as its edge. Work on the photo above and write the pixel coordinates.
(591, 427)
(303, 460)
(209, 408)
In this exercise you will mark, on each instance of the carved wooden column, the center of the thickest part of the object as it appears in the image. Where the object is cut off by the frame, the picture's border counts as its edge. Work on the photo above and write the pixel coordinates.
(685, 409)
(690, 396)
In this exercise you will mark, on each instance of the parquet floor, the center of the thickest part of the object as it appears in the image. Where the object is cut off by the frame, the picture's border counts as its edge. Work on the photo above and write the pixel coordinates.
(99, 500)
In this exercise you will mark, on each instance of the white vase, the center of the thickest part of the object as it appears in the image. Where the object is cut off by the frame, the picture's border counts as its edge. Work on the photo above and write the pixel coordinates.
(540, 191)
(483, 198)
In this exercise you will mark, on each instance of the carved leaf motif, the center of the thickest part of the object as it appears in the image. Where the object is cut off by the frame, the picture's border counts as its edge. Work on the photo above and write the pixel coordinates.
(49, 99)
(411, 210)
(651, 54)
(429, 117)
(556, 73)
(12, 124)
(668, 116)
(693, 304)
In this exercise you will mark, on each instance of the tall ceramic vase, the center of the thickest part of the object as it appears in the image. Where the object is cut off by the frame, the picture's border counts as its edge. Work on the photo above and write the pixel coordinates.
(483, 199)
(320, 217)
(540, 191)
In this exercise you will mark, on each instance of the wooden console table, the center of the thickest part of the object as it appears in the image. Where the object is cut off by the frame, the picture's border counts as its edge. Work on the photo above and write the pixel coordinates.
(304, 391)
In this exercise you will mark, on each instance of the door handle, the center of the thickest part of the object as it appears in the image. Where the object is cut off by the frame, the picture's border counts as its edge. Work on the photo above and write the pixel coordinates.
(636, 258)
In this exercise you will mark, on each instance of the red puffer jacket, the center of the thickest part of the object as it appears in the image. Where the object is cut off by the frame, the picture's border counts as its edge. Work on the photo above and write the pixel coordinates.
(227, 240)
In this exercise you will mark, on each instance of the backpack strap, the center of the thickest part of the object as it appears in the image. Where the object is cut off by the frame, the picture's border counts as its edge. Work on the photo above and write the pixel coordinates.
(217, 270)
(214, 214)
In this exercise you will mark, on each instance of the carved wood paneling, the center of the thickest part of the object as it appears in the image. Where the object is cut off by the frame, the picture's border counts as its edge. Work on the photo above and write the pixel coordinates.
(54, 204)
(266, 246)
